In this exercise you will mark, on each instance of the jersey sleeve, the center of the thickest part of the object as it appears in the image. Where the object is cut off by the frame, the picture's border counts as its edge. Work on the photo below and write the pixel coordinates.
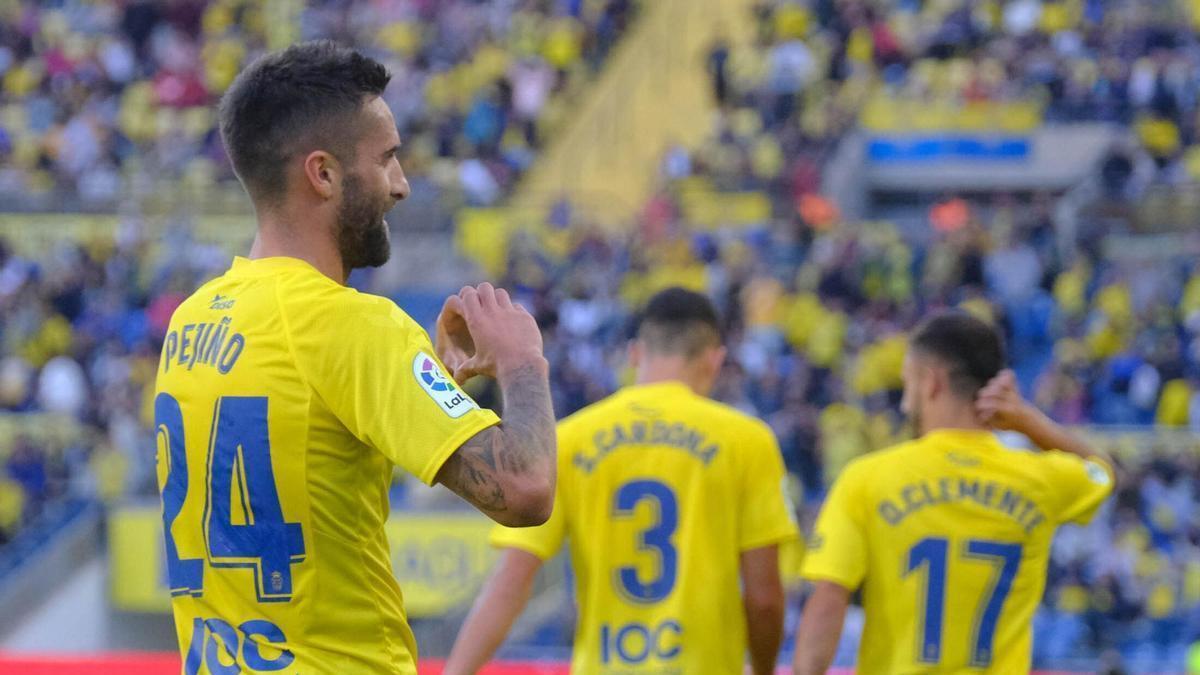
(766, 516)
(376, 370)
(1081, 485)
(837, 551)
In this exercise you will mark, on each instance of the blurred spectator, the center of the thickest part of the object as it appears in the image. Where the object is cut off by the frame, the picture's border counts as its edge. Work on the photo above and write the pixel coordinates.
(93, 94)
(98, 97)
(718, 70)
(26, 466)
(62, 387)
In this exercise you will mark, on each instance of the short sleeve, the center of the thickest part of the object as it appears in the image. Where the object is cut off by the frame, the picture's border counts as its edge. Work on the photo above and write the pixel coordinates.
(376, 370)
(837, 550)
(766, 517)
(1080, 485)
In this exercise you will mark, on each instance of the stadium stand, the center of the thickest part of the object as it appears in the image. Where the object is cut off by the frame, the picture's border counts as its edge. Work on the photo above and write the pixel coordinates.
(817, 306)
(103, 99)
(99, 96)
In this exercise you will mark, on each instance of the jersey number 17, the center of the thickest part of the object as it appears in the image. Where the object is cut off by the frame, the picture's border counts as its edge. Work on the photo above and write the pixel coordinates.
(930, 554)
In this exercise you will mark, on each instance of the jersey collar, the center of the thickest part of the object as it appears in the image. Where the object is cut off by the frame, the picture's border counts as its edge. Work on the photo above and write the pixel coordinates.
(971, 436)
(243, 265)
(664, 387)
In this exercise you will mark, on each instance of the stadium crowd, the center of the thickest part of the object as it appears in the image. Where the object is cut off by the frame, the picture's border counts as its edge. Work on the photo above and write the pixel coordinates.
(816, 308)
(99, 97)
(94, 94)
(818, 69)
(816, 353)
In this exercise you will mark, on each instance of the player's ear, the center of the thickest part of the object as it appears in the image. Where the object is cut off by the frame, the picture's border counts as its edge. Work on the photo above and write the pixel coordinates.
(635, 354)
(936, 381)
(322, 172)
(716, 358)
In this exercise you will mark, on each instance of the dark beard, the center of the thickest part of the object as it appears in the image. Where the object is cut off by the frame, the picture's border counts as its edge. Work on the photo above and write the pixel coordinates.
(362, 236)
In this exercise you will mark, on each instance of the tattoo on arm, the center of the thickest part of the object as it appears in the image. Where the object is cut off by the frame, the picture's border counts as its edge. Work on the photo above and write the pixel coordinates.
(521, 444)
(471, 472)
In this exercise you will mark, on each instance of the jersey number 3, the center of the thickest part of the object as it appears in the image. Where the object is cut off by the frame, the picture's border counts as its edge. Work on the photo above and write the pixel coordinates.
(240, 481)
(931, 554)
(656, 538)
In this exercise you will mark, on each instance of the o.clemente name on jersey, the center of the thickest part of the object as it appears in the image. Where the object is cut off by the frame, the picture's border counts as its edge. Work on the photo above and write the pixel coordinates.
(673, 435)
(990, 494)
(207, 344)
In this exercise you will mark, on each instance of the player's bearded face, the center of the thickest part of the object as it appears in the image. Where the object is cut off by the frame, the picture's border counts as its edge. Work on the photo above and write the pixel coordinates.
(362, 233)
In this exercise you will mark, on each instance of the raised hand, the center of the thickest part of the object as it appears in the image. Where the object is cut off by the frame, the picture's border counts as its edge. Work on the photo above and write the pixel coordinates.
(506, 471)
(1000, 405)
(452, 339)
(482, 332)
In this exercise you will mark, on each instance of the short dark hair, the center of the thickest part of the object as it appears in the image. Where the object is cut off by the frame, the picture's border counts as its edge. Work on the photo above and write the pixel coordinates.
(679, 322)
(970, 348)
(291, 101)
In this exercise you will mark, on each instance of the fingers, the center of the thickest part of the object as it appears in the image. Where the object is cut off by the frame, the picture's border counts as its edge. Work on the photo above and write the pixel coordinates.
(470, 298)
(1002, 385)
(986, 408)
(995, 408)
(487, 295)
(502, 298)
(468, 369)
(453, 362)
(452, 307)
(992, 390)
(1005, 380)
(483, 296)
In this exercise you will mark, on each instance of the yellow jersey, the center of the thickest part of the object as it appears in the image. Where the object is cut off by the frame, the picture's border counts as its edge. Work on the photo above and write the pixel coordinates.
(283, 400)
(949, 536)
(659, 491)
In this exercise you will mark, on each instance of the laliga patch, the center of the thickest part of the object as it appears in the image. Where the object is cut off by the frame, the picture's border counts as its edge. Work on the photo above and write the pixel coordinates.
(1097, 474)
(440, 388)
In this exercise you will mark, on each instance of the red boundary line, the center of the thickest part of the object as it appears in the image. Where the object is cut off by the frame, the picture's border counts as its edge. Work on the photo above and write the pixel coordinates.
(139, 663)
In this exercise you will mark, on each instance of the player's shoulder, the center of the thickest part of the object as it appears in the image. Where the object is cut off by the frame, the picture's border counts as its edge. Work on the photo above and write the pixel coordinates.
(302, 285)
(686, 406)
(730, 421)
(1065, 464)
(589, 417)
(200, 304)
(202, 297)
(880, 462)
(317, 299)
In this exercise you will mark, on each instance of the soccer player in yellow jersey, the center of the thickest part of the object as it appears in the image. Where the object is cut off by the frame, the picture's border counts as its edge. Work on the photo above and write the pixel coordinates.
(284, 397)
(672, 507)
(948, 535)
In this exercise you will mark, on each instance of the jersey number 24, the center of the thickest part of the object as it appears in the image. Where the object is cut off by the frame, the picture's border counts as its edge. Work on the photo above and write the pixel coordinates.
(239, 468)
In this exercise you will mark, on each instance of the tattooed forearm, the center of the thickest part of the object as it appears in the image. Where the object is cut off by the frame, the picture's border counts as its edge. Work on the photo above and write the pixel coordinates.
(528, 419)
(507, 471)
(471, 472)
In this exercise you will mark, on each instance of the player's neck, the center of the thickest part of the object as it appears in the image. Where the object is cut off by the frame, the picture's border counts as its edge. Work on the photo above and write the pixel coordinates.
(275, 239)
(672, 370)
(961, 417)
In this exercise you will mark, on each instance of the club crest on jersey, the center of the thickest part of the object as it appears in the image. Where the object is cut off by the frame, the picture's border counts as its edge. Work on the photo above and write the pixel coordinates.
(440, 388)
